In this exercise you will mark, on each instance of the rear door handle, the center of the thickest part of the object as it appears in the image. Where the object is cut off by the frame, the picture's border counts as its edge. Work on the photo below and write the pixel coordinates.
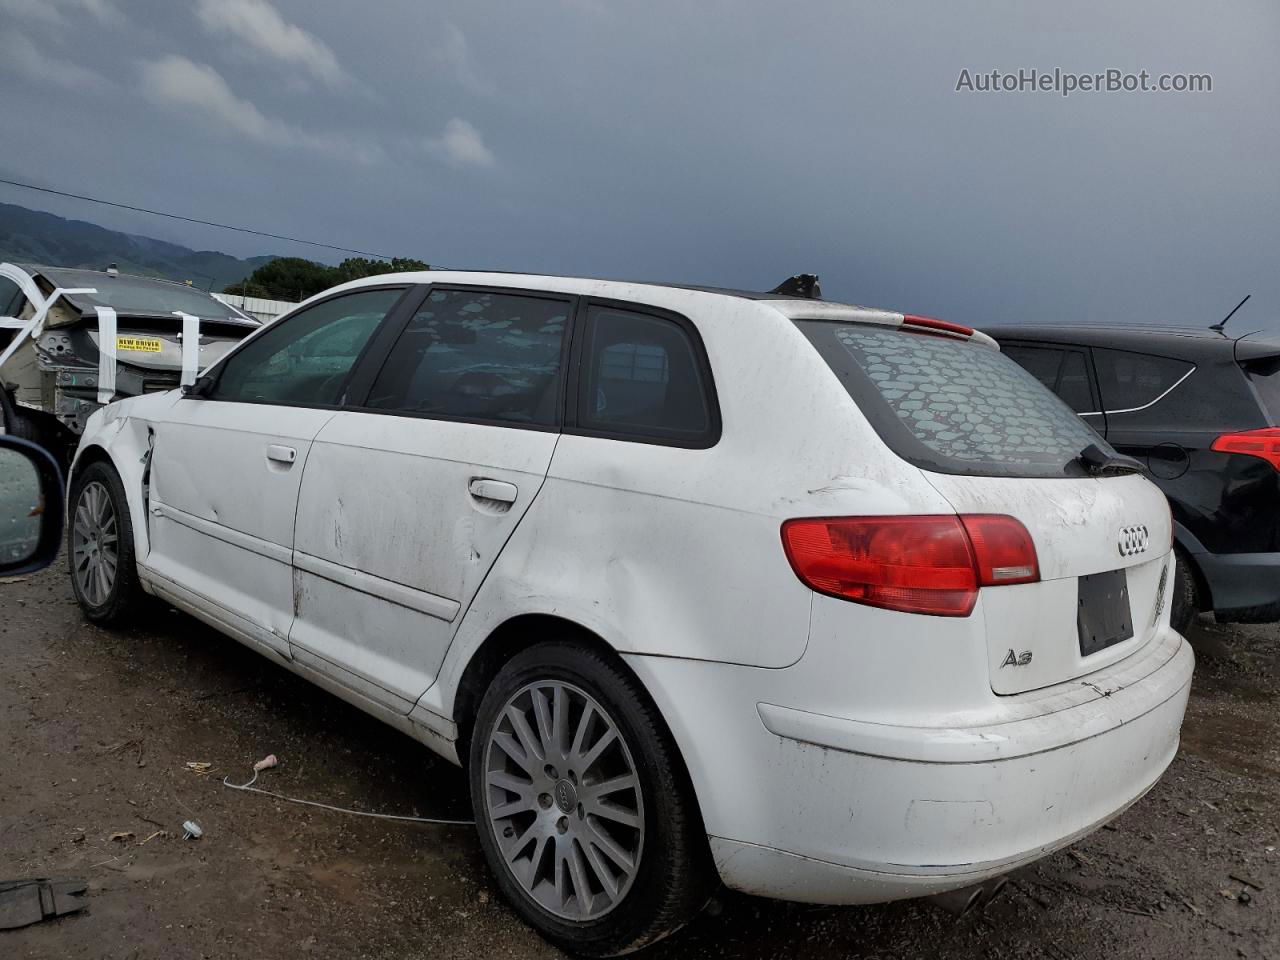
(485, 489)
(283, 454)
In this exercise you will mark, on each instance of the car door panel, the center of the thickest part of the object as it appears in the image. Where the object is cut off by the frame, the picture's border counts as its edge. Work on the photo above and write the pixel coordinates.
(227, 461)
(406, 503)
(222, 507)
(392, 543)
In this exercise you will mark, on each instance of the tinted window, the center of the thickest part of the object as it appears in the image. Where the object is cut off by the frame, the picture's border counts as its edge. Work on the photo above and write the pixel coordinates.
(305, 359)
(1043, 363)
(1132, 380)
(1063, 371)
(953, 406)
(642, 379)
(1073, 383)
(478, 355)
(1265, 377)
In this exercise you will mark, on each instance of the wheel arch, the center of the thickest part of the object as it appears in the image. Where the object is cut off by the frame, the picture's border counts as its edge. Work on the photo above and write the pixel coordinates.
(522, 631)
(123, 443)
(509, 638)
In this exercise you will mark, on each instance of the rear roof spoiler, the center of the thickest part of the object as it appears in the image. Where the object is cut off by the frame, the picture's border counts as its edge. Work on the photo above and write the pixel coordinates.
(1258, 345)
(848, 313)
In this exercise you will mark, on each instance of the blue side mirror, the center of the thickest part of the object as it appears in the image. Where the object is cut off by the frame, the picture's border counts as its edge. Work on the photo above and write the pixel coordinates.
(32, 507)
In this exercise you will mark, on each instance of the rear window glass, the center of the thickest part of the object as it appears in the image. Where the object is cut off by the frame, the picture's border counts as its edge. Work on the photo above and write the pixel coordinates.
(1265, 377)
(951, 406)
(139, 295)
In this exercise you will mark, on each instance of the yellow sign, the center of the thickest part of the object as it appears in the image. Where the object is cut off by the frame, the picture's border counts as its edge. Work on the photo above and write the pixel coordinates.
(139, 344)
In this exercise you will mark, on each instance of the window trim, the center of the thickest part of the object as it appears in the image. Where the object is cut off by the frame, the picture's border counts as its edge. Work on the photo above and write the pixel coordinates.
(1146, 406)
(704, 441)
(214, 376)
(361, 386)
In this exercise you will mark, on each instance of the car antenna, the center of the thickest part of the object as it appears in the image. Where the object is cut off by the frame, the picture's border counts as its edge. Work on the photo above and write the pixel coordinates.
(1217, 327)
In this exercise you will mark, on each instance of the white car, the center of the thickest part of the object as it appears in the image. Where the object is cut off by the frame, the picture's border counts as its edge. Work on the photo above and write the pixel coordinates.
(828, 603)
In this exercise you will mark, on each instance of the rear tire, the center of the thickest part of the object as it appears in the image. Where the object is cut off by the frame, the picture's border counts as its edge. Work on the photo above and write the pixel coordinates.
(596, 877)
(100, 554)
(1186, 593)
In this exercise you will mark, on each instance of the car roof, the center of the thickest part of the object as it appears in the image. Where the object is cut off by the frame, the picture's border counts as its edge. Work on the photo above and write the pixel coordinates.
(672, 296)
(1147, 338)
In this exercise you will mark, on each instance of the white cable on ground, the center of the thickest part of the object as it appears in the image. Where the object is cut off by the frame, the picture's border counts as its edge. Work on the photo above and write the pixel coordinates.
(250, 788)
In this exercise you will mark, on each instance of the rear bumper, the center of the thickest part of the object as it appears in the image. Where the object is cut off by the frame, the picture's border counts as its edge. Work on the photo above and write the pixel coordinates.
(837, 810)
(1245, 586)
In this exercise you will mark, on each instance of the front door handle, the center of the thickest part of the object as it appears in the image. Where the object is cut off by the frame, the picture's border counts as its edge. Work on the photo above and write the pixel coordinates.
(280, 453)
(485, 489)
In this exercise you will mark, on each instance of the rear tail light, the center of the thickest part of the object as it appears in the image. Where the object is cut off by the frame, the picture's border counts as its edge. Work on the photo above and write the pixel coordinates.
(931, 565)
(1003, 550)
(1264, 443)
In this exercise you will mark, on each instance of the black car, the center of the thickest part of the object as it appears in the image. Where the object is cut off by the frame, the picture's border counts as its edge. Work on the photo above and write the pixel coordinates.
(1199, 409)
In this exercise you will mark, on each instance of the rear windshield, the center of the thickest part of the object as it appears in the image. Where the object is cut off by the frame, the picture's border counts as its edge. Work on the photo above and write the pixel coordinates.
(1265, 377)
(951, 406)
(134, 295)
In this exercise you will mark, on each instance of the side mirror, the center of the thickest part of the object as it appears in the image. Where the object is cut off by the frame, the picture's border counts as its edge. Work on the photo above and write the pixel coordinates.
(31, 507)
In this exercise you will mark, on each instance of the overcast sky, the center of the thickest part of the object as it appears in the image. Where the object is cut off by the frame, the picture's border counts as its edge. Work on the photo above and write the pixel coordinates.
(722, 142)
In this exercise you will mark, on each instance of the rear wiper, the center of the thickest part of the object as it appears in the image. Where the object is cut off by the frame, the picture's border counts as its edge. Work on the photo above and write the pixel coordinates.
(1097, 462)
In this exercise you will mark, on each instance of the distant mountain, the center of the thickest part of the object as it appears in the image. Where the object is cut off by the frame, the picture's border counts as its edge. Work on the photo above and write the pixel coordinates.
(32, 236)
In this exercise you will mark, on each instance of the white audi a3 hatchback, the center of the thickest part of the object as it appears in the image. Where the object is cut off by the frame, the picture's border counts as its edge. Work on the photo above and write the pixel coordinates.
(825, 603)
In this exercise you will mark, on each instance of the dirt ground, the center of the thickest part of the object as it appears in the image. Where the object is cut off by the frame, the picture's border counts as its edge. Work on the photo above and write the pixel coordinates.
(99, 728)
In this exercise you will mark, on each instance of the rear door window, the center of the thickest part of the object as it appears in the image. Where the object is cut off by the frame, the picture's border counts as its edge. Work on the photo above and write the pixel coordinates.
(1043, 363)
(644, 377)
(953, 406)
(1063, 370)
(478, 355)
(1073, 383)
(1133, 381)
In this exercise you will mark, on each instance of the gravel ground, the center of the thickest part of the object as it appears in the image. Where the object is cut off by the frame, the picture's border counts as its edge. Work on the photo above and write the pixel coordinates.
(100, 728)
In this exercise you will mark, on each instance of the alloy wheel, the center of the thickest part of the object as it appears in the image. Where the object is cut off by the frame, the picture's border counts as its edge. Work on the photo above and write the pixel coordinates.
(95, 544)
(563, 800)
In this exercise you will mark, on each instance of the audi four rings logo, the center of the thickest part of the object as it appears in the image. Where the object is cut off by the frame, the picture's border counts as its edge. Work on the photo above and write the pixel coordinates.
(1133, 540)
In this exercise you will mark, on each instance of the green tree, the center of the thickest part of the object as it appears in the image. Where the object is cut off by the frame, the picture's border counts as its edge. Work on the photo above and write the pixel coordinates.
(296, 278)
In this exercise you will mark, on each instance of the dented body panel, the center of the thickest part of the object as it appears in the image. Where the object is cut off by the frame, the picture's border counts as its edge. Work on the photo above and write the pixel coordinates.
(394, 539)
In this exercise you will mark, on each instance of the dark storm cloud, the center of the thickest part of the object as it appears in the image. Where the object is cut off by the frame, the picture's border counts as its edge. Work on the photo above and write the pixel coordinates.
(722, 142)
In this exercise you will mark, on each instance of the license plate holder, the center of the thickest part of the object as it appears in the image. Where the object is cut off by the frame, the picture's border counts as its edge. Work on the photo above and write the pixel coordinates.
(1102, 616)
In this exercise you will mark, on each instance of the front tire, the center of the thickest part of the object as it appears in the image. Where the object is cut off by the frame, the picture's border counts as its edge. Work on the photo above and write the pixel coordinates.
(104, 572)
(584, 810)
